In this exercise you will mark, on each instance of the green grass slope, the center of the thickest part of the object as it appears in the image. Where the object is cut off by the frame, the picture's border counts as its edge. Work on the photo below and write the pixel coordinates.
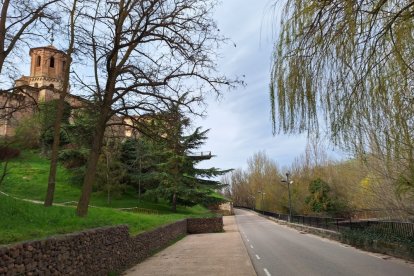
(27, 179)
(23, 220)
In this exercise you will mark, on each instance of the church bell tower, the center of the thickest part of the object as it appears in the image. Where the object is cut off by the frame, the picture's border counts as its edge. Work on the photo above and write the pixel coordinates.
(47, 71)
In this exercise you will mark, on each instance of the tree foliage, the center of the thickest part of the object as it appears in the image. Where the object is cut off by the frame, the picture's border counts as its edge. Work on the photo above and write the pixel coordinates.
(145, 55)
(322, 199)
(140, 158)
(349, 64)
(110, 172)
(47, 114)
(179, 178)
(262, 175)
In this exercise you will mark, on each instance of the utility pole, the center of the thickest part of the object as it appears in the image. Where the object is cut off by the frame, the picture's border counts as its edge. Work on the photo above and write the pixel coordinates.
(261, 205)
(253, 201)
(290, 201)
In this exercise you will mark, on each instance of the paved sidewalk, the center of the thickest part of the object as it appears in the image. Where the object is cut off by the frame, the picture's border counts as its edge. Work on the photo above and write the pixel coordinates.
(201, 254)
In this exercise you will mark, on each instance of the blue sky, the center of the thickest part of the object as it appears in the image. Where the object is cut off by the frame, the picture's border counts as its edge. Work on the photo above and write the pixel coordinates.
(240, 122)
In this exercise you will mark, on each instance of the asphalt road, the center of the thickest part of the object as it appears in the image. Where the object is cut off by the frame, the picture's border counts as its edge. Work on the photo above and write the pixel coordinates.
(279, 250)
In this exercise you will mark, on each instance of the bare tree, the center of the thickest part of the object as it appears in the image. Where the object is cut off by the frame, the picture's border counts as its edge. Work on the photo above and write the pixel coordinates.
(144, 56)
(21, 22)
(63, 92)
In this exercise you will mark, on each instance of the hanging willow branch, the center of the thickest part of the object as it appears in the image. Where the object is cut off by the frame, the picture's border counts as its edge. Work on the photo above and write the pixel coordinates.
(348, 65)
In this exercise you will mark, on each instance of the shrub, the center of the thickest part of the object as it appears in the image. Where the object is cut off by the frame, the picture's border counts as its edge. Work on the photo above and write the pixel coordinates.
(7, 153)
(369, 235)
(28, 133)
(73, 158)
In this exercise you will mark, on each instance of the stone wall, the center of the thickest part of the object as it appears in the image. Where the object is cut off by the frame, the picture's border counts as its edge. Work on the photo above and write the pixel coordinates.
(226, 209)
(93, 252)
(204, 225)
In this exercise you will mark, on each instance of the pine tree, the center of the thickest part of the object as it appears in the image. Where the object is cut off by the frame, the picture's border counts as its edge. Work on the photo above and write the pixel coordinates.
(140, 159)
(180, 181)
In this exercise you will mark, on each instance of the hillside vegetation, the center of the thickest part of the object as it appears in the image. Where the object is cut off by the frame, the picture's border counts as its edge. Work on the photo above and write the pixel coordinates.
(24, 220)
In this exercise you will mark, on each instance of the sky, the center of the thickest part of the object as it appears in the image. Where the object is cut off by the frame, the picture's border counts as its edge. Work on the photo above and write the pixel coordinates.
(240, 123)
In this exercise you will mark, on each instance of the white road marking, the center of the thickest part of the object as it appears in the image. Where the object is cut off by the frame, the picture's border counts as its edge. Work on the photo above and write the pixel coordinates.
(267, 272)
(251, 246)
(257, 257)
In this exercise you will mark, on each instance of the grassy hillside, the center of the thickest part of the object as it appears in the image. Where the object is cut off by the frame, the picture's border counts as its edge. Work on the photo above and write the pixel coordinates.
(27, 179)
(25, 220)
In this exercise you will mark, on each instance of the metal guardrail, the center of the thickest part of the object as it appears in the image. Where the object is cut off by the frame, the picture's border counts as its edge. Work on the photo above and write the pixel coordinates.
(335, 224)
(391, 228)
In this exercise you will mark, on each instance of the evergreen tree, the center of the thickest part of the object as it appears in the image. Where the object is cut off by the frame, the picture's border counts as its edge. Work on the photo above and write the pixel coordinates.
(180, 181)
(140, 160)
(111, 172)
(47, 112)
(322, 198)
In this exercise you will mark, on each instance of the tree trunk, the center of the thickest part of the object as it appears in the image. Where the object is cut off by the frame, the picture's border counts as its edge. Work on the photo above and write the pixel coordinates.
(1, 62)
(90, 174)
(109, 196)
(174, 203)
(104, 111)
(139, 179)
(107, 179)
(4, 171)
(55, 151)
(3, 18)
(59, 114)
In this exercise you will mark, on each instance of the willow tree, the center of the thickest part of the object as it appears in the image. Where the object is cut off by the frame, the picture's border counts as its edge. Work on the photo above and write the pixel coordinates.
(349, 65)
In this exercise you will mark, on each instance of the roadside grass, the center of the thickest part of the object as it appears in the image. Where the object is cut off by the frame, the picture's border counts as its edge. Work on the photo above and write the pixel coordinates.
(23, 220)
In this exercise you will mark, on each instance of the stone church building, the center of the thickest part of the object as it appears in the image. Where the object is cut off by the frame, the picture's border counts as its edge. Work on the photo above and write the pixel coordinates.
(45, 79)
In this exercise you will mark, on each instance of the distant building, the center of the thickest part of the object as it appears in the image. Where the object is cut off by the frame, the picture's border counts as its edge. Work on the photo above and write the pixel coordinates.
(42, 85)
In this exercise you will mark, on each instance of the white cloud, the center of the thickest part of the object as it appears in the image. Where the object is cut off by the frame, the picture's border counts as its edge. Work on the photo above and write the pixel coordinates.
(240, 123)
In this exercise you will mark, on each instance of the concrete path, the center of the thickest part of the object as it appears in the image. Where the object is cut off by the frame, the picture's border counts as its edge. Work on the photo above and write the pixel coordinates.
(201, 254)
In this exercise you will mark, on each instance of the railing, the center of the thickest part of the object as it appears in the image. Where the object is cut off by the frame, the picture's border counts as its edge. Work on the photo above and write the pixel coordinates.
(335, 224)
(392, 228)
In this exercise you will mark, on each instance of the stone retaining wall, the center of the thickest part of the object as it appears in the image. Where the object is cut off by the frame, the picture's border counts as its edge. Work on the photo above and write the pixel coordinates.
(94, 252)
(204, 225)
